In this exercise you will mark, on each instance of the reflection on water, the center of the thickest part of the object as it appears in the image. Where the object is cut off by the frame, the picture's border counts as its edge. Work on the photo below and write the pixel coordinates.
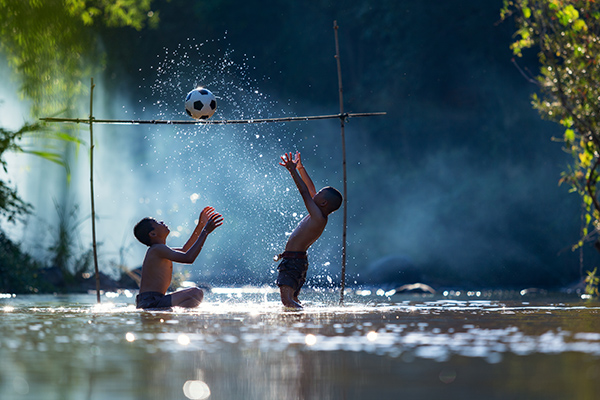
(241, 344)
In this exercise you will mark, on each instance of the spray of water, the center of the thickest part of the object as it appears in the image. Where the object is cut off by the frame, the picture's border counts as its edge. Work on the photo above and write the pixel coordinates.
(171, 172)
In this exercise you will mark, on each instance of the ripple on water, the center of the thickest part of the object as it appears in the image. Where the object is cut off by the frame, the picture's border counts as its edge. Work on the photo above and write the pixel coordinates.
(430, 329)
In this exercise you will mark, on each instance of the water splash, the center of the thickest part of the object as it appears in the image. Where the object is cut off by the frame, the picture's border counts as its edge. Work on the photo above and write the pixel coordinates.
(231, 167)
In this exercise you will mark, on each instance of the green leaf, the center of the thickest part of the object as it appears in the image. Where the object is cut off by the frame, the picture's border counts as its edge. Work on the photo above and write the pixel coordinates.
(569, 135)
(47, 155)
(579, 25)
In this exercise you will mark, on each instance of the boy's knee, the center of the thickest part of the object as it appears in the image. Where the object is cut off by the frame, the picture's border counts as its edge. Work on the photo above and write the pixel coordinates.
(195, 293)
(188, 298)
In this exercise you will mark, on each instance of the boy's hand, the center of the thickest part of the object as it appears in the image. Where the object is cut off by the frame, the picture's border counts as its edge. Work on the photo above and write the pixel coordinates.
(214, 220)
(298, 160)
(288, 161)
(205, 214)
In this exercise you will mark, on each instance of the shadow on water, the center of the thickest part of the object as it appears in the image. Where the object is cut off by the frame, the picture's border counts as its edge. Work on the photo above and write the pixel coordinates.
(241, 343)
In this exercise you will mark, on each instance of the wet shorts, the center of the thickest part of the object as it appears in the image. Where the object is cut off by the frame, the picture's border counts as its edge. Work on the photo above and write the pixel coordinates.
(152, 300)
(292, 272)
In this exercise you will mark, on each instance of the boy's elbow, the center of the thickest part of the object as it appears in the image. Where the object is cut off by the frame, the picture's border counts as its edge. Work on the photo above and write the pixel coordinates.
(191, 260)
(187, 260)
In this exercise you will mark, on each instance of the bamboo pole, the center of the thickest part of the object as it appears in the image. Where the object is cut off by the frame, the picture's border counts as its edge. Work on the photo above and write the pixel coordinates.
(207, 122)
(91, 122)
(343, 137)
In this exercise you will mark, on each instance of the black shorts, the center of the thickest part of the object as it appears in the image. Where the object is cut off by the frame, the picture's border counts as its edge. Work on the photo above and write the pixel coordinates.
(152, 300)
(292, 273)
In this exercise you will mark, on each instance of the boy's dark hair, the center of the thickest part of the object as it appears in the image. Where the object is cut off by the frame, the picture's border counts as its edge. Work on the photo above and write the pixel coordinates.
(334, 198)
(142, 230)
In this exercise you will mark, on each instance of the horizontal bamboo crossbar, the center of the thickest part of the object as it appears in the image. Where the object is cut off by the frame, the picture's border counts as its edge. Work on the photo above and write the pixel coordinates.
(206, 122)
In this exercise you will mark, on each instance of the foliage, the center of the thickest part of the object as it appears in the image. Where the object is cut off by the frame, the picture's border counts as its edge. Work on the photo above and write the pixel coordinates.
(49, 44)
(19, 273)
(11, 205)
(133, 13)
(567, 35)
(591, 282)
(62, 250)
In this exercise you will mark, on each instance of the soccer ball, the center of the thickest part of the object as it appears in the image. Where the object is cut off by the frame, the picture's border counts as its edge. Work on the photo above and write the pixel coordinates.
(200, 103)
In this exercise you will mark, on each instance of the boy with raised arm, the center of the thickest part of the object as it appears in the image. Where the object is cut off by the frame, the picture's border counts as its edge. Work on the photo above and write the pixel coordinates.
(294, 264)
(157, 269)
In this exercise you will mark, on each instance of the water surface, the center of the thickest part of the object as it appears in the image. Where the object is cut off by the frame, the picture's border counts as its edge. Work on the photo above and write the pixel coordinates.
(242, 344)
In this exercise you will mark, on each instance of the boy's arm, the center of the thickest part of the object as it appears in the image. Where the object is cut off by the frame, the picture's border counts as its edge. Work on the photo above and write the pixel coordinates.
(187, 257)
(312, 207)
(204, 215)
(304, 175)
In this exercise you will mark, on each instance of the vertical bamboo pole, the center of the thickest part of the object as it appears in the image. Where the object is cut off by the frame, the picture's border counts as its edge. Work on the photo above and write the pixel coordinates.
(343, 136)
(92, 191)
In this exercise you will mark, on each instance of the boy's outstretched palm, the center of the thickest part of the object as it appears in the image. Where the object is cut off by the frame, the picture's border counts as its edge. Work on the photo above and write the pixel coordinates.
(205, 214)
(289, 162)
(298, 160)
(214, 221)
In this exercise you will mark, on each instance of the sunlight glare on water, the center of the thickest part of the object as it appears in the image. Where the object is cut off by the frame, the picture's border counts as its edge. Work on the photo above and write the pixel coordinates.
(245, 335)
(196, 390)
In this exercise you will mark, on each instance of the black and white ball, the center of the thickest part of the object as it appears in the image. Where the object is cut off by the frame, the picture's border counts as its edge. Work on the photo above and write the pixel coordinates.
(200, 103)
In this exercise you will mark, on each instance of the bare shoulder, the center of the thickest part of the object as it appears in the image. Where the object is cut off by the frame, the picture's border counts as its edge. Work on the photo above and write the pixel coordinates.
(158, 251)
(157, 247)
(315, 212)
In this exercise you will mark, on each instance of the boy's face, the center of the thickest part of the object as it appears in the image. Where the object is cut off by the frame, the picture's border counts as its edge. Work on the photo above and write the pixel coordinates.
(159, 230)
(320, 198)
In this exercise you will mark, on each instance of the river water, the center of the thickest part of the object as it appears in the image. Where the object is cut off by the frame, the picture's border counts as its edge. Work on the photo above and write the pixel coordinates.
(242, 344)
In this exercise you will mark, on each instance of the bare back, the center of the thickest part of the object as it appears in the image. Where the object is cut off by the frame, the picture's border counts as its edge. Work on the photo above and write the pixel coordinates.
(156, 272)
